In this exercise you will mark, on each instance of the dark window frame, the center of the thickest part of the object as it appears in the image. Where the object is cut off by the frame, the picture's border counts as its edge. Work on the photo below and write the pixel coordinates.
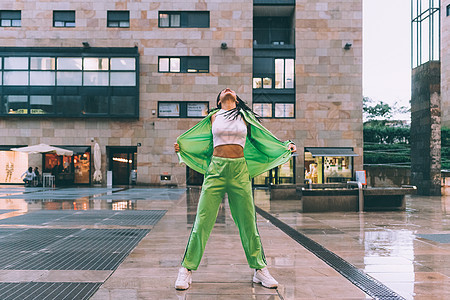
(186, 64)
(64, 16)
(273, 109)
(183, 109)
(118, 16)
(57, 92)
(4, 16)
(184, 19)
(271, 75)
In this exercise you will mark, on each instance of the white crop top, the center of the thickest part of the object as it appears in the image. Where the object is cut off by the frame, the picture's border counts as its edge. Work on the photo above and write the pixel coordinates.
(227, 131)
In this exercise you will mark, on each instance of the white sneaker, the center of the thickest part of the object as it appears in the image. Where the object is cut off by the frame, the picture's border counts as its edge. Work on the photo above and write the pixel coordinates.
(263, 276)
(184, 279)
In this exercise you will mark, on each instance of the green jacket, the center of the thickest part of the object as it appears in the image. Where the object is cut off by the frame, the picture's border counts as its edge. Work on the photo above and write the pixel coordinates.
(262, 151)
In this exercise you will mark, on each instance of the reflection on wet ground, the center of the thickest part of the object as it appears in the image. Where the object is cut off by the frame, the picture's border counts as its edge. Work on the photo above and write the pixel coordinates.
(408, 251)
(87, 232)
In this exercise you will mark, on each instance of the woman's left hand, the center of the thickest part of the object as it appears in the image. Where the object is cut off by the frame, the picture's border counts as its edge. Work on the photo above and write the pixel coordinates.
(293, 148)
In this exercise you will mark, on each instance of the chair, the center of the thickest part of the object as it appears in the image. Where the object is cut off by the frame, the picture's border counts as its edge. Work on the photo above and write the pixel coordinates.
(48, 178)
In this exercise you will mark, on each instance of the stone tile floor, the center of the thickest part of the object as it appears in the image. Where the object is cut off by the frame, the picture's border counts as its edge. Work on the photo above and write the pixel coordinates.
(386, 245)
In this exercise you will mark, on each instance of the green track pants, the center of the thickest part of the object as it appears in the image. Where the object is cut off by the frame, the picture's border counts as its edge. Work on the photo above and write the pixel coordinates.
(225, 175)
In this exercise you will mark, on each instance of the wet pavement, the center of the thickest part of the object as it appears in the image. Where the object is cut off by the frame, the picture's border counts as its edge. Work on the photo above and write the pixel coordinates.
(127, 243)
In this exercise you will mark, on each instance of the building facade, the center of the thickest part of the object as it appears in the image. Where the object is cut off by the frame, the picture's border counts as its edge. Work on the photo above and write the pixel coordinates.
(133, 75)
(445, 62)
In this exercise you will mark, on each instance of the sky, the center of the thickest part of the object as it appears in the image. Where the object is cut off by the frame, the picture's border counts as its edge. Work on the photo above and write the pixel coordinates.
(387, 52)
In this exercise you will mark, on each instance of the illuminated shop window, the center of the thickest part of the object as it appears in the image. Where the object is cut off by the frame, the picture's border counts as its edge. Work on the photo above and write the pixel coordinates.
(12, 165)
(329, 165)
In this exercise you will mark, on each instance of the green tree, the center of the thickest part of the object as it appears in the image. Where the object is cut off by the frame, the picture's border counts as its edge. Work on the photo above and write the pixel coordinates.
(380, 110)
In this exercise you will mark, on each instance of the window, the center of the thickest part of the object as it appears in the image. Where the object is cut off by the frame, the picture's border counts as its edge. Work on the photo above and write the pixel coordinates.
(63, 18)
(41, 104)
(274, 110)
(185, 19)
(10, 18)
(284, 110)
(182, 109)
(448, 10)
(264, 110)
(15, 104)
(118, 19)
(328, 165)
(69, 82)
(184, 64)
(269, 73)
(284, 73)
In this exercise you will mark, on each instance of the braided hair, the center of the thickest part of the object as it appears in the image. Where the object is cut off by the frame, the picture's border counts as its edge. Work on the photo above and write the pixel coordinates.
(234, 113)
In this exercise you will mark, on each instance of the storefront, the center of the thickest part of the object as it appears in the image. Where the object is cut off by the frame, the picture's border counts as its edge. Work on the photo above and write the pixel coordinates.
(122, 161)
(69, 170)
(283, 174)
(12, 165)
(328, 165)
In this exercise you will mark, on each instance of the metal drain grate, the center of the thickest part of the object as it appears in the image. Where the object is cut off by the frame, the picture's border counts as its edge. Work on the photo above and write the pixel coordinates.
(87, 217)
(443, 238)
(47, 290)
(67, 249)
(363, 281)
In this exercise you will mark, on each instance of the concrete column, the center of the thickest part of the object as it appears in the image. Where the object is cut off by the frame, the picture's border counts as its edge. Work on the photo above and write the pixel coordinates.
(426, 129)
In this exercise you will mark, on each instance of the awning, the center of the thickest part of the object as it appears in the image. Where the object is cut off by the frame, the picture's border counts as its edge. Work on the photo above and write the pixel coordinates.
(331, 151)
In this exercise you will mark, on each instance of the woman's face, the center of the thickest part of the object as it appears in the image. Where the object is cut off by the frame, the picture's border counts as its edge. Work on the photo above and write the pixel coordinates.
(227, 94)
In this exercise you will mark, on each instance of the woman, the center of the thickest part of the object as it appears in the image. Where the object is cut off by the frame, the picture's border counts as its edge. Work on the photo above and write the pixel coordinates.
(230, 147)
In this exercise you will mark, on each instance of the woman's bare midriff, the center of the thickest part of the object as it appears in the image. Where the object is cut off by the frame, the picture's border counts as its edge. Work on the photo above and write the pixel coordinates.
(229, 151)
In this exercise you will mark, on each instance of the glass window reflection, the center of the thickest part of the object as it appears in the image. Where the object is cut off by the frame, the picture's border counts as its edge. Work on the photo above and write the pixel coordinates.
(16, 63)
(41, 104)
(93, 63)
(42, 63)
(263, 109)
(123, 105)
(123, 63)
(95, 78)
(95, 105)
(42, 78)
(123, 79)
(69, 63)
(16, 104)
(68, 78)
(15, 78)
(284, 110)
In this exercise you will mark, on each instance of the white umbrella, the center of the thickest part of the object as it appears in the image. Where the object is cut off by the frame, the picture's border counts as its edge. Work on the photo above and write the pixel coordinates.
(43, 148)
(97, 163)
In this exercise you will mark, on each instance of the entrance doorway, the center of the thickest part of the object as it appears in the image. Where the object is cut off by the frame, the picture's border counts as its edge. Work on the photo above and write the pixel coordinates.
(122, 161)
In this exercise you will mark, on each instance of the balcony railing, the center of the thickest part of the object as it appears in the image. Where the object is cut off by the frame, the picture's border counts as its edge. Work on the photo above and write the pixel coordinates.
(273, 36)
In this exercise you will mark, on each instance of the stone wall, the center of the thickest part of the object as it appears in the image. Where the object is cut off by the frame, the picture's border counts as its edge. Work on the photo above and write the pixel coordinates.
(426, 129)
(384, 176)
(328, 78)
(445, 63)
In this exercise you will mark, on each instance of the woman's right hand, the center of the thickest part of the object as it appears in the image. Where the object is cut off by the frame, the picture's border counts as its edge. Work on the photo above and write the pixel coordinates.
(176, 147)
